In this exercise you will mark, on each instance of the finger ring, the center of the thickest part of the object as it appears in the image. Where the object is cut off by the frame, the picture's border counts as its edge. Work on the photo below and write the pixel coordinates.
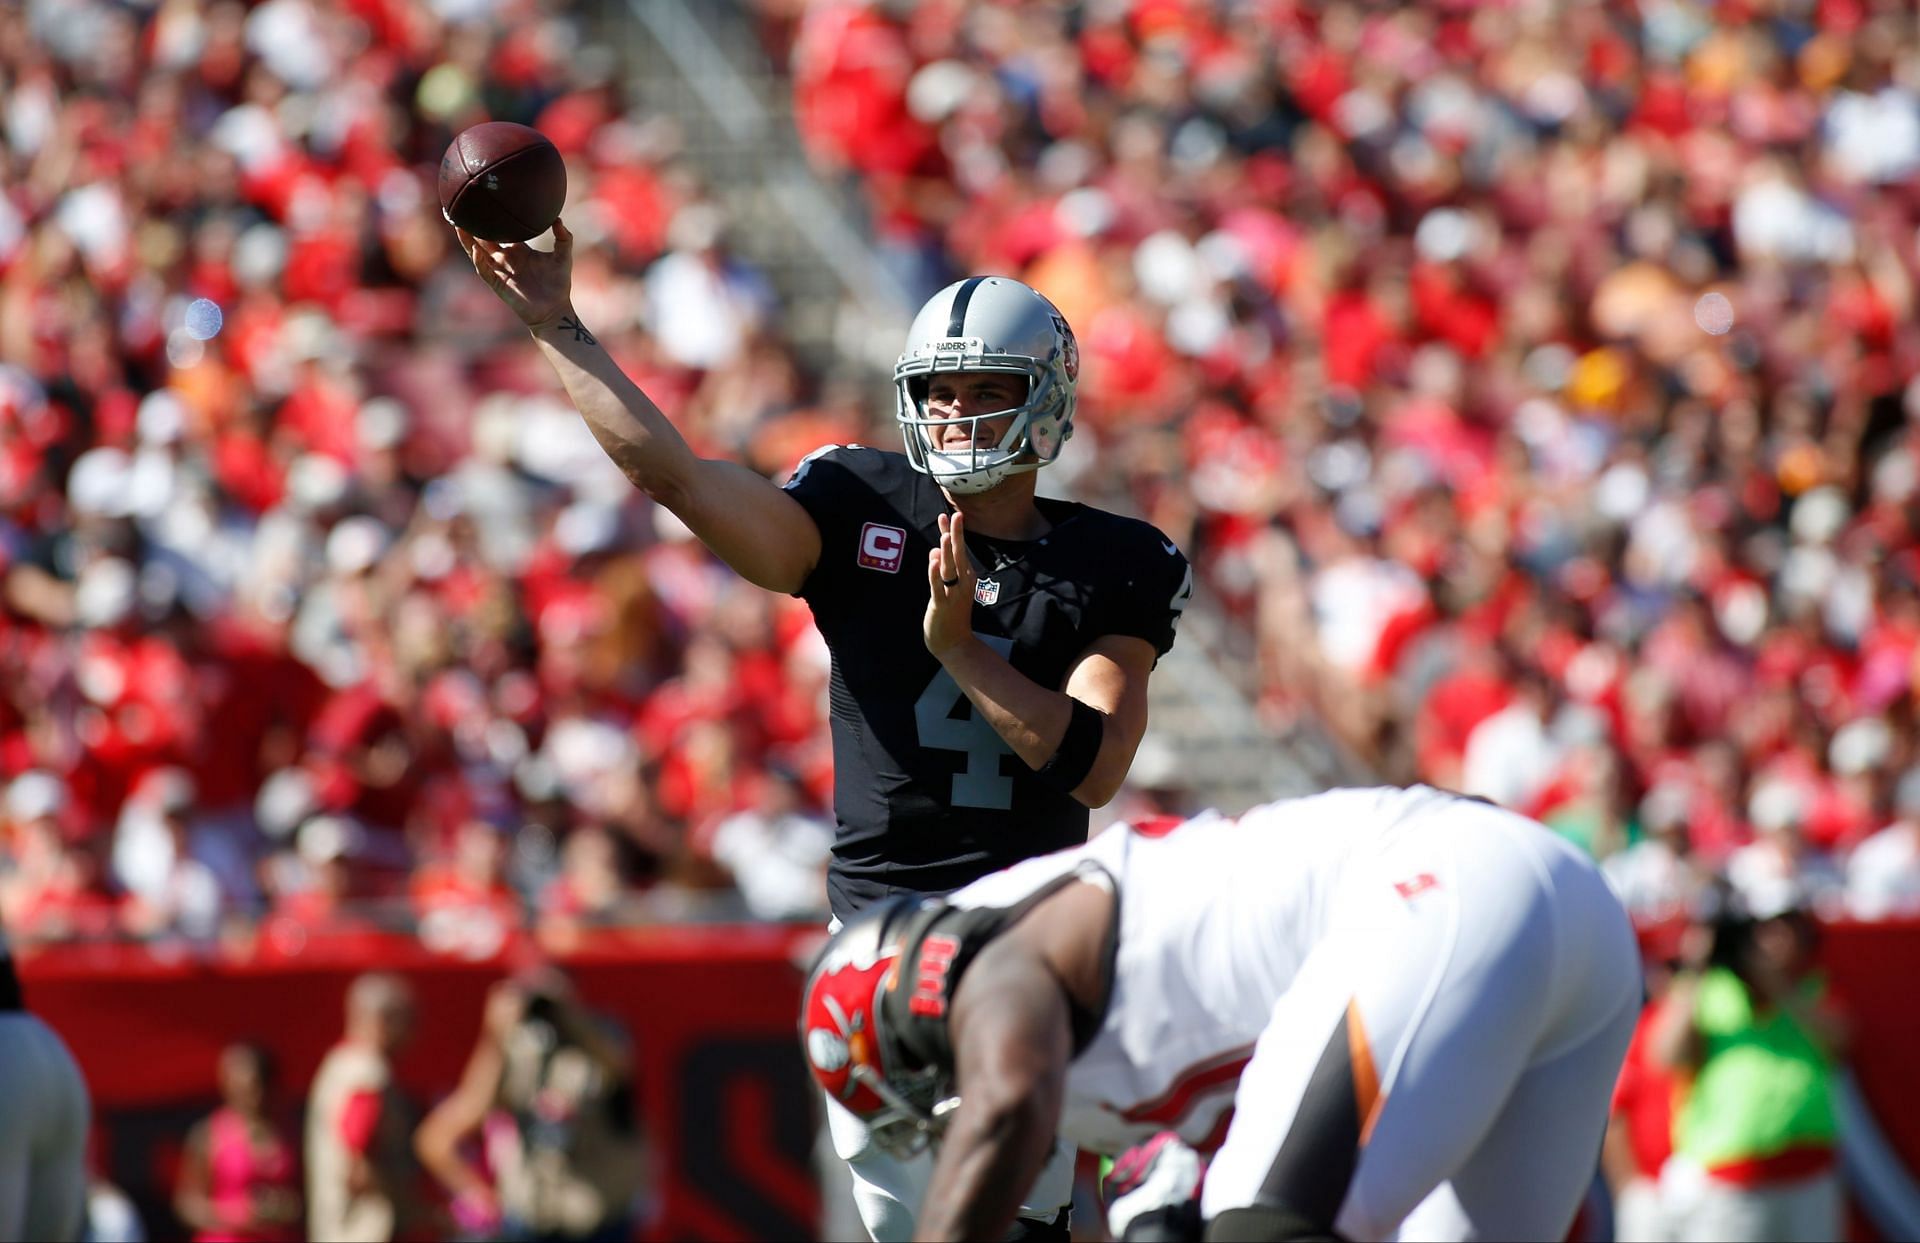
(949, 582)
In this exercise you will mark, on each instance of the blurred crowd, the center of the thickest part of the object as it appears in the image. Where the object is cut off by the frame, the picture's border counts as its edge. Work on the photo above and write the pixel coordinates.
(1535, 380)
(321, 611)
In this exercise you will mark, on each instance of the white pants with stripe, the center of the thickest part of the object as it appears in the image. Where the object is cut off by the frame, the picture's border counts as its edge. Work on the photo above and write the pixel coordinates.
(43, 1133)
(887, 1190)
(1481, 989)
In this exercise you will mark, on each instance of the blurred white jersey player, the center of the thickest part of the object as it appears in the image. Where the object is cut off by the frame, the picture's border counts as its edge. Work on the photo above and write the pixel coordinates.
(1394, 1013)
(43, 1124)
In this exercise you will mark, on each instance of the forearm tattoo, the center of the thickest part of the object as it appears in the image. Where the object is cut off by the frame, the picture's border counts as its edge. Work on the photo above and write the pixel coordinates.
(579, 330)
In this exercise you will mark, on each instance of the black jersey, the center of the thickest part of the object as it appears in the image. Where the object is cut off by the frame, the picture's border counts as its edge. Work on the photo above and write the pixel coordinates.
(927, 795)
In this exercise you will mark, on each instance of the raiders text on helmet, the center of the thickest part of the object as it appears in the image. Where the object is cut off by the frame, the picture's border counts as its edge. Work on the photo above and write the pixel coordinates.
(988, 323)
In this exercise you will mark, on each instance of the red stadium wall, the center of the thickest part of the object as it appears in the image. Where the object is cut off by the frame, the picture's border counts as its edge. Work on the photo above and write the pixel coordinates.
(711, 1011)
(1876, 968)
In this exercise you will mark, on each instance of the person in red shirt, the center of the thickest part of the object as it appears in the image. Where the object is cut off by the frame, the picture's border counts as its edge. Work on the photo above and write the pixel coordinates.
(56, 891)
(588, 890)
(313, 891)
(464, 904)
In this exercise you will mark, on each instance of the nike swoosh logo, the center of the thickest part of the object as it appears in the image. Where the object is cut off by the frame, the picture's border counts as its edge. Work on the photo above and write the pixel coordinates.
(1172, 550)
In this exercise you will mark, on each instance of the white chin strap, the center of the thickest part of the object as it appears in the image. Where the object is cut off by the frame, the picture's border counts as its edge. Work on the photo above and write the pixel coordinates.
(965, 474)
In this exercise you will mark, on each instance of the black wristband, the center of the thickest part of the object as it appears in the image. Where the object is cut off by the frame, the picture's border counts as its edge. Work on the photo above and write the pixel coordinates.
(1079, 747)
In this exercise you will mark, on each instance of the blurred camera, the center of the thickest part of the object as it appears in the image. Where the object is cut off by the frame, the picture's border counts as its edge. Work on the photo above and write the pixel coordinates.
(543, 1008)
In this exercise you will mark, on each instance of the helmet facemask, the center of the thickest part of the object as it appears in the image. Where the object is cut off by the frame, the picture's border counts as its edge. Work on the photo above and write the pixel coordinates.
(919, 1104)
(1032, 439)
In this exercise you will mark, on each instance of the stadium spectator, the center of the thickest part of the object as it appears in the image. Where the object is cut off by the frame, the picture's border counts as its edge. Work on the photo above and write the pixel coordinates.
(1646, 430)
(703, 306)
(360, 1171)
(1656, 877)
(566, 1155)
(311, 893)
(464, 905)
(1883, 873)
(1511, 755)
(777, 850)
(55, 889)
(1465, 409)
(1755, 1142)
(1779, 868)
(589, 888)
(238, 1181)
(169, 890)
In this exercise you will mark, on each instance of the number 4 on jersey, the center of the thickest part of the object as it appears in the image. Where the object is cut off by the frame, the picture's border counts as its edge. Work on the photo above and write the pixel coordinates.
(981, 783)
(1184, 596)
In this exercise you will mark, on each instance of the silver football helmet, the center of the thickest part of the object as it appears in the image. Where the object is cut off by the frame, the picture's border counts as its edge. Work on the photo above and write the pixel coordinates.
(988, 323)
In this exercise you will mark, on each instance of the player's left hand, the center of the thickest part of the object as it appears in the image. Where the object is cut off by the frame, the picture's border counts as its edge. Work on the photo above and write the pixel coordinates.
(950, 579)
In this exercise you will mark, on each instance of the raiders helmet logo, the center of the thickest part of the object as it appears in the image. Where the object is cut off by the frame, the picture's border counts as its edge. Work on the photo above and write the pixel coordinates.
(1069, 348)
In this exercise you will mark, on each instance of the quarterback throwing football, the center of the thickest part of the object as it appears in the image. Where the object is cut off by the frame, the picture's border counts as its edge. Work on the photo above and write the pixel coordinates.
(1395, 1013)
(991, 649)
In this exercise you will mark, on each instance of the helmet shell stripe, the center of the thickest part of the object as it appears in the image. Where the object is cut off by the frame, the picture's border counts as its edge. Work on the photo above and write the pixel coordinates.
(957, 317)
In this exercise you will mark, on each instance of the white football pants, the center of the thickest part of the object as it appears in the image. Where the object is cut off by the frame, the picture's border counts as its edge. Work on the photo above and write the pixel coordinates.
(1441, 1067)
(887, 1190)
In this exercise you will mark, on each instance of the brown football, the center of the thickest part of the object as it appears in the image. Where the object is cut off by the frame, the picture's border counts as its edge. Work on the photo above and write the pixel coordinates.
(503, 182)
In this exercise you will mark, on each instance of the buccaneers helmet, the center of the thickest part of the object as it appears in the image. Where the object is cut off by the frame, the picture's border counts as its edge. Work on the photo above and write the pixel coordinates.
(851, 1019)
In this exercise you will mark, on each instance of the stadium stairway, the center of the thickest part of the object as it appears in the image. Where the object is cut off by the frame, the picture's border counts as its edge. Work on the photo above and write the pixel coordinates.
(702, 64)
(1206, 741)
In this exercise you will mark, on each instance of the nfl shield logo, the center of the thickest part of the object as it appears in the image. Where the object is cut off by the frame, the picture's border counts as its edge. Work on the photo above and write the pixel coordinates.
(986, 591)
